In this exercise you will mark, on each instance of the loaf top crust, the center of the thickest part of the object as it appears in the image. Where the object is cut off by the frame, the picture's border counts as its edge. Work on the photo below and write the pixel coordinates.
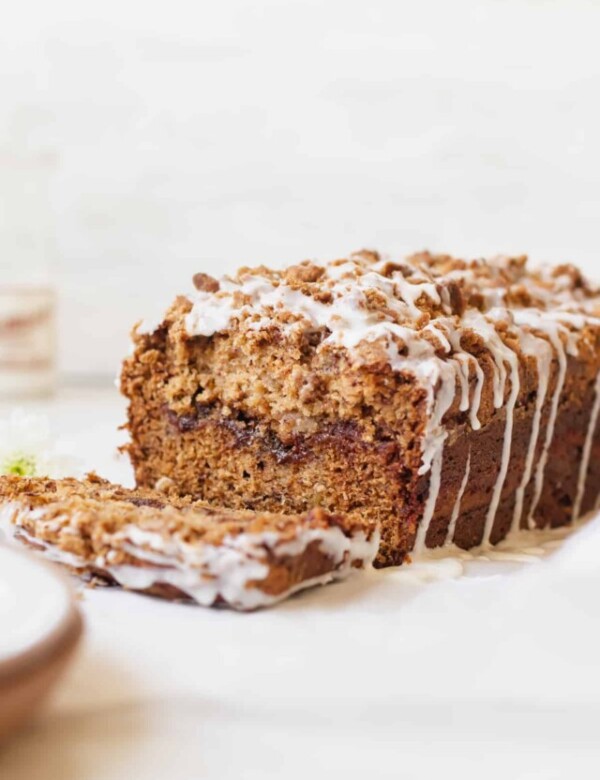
(366, 298)
(407, 315)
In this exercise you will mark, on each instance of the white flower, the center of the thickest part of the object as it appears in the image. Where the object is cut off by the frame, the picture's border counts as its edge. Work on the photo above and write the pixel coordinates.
(27, 448)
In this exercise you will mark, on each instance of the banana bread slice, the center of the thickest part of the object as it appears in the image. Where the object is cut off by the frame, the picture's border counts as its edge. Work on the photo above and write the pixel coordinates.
(450, 401)
(179, 549)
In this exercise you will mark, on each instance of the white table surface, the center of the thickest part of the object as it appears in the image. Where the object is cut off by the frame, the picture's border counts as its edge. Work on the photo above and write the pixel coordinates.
(490, 675)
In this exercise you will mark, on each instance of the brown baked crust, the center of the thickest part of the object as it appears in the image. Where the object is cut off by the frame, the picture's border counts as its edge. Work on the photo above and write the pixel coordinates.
(87, 524)
(270, 416)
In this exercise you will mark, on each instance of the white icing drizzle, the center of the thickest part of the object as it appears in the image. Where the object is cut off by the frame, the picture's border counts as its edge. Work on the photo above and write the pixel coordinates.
(457, 504)
(501, 353)
(463, 376)
(553, 331)
(587, 450)
(541, 351)
(433, 454)
(410, 294)
(485, 328)
(466, 360)
(506, 447)
(476, 402)
(231, 571)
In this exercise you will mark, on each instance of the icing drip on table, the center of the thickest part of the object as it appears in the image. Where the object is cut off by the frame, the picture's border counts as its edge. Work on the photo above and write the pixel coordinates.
(411, 309)
(452, 562)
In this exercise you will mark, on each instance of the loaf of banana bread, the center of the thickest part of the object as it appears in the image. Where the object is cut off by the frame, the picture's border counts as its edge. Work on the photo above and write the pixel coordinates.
(447, 401)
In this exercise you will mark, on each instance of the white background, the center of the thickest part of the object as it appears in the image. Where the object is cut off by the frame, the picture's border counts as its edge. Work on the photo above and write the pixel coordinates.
(206, 135)
(388, 676)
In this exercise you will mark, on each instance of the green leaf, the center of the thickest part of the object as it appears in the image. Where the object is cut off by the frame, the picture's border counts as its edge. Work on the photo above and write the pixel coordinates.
(19, 465)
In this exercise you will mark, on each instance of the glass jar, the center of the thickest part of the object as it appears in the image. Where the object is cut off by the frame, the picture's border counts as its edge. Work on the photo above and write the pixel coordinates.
(27, 293)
